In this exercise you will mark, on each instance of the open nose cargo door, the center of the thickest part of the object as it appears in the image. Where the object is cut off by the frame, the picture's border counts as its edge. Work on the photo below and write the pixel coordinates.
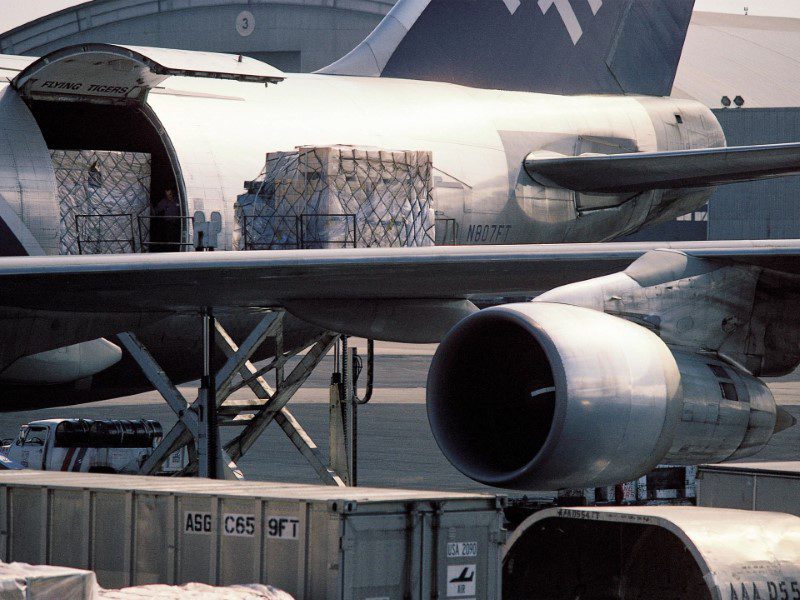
(109, 73)
(109, 175)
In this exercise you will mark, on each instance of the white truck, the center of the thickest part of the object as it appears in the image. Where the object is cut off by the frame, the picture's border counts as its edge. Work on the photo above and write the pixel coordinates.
(88, 446)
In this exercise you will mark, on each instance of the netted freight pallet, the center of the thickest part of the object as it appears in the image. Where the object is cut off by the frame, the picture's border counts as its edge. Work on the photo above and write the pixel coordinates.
(102, 195)
(335, 197)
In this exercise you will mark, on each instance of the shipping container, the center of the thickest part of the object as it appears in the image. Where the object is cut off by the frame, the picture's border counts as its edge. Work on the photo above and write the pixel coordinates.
(769, 486)
(312, 541)
(658, 552)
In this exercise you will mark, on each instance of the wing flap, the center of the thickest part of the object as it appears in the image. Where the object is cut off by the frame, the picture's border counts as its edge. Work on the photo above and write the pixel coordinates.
(638, 172)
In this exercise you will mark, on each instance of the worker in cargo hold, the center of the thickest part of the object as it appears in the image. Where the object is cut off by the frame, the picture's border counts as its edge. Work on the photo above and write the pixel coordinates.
(165, 232)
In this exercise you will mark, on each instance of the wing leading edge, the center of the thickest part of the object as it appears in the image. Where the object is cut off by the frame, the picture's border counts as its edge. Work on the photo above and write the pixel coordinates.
(637, 172)
(186, 281)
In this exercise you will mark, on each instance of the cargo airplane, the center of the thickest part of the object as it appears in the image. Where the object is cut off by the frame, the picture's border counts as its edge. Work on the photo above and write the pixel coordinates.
(548, 121)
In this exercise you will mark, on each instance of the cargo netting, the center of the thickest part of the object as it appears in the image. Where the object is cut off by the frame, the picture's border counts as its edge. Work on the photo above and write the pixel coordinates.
(102, 194)
(337, 197)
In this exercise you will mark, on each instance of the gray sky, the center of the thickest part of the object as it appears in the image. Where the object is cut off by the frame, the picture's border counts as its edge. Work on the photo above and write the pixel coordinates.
(18, 12)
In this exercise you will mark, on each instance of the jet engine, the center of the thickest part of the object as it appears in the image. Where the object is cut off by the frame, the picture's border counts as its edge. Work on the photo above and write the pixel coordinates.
(552, 396)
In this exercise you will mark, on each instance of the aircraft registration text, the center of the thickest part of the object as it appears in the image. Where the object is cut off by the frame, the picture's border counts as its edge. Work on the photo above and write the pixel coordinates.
(492, 233)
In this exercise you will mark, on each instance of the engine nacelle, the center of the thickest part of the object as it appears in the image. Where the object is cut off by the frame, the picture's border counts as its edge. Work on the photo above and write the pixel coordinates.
(63, 365)
(552, 396)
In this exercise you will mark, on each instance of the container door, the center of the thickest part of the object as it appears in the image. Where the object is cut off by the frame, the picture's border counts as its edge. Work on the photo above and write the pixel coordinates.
(154, 542)
(197, 534)
(69, 538)
(381, 558)
(464, 548)
(111, 533)
(27, 525)
(283, 527)
(239, 541)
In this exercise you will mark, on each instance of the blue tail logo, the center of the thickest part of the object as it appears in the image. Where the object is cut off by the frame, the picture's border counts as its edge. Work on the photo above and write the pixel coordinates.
(598, 47)
(565, 11)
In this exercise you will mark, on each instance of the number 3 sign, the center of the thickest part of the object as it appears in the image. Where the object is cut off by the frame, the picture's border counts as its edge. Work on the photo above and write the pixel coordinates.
(245, 23)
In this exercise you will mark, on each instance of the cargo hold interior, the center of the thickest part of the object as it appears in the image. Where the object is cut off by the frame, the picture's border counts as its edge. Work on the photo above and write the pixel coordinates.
(107, 127)
(85, 126)
(594, 560)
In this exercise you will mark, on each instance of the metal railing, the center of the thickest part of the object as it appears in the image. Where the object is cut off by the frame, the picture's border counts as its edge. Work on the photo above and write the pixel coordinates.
(287, 224)
(298, 232)
(145, 225)
(349, 219)
(85, 220)
(126, 242)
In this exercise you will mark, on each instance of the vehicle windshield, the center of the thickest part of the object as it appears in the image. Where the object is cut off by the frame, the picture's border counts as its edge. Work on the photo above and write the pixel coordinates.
(35, 436)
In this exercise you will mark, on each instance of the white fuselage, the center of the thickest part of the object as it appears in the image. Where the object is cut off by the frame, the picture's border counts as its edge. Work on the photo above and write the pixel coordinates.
(218, 133)
(478, 138)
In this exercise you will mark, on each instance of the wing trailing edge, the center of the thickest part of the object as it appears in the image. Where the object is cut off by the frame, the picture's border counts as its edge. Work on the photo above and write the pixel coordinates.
(641, 171)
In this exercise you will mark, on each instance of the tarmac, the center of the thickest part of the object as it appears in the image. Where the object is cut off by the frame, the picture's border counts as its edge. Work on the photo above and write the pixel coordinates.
(395, 445)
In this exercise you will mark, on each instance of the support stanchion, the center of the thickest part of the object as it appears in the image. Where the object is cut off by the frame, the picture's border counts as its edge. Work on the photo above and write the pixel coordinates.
(352, 406)
(208, 390)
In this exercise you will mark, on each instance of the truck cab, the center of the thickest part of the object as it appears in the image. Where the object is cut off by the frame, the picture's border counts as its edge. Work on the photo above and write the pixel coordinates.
(89, 446)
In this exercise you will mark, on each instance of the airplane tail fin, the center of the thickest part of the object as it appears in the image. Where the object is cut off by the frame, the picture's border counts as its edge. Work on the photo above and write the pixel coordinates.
(551, 46)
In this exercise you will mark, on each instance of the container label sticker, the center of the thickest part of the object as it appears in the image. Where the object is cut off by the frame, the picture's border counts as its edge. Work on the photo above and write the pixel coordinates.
(284, 528)
(460, 580)
(239, 525)
(197, 522)
(775, 589)
(462, 549)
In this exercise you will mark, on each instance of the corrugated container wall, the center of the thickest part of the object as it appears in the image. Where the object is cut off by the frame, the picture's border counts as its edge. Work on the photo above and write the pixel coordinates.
(314, 542)
(750, 486)
(768, 209)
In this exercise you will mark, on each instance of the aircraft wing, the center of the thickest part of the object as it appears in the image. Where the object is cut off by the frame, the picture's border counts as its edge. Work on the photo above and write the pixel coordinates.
(640, 171)
(185, 281)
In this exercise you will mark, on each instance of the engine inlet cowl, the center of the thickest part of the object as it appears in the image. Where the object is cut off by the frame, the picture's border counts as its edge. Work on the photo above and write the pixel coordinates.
(551, 396)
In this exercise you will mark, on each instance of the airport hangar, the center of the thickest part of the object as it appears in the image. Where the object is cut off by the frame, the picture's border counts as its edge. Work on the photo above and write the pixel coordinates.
(755, 59)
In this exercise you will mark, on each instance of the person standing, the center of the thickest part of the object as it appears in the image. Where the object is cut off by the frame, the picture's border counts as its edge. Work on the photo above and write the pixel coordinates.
(165, 230)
